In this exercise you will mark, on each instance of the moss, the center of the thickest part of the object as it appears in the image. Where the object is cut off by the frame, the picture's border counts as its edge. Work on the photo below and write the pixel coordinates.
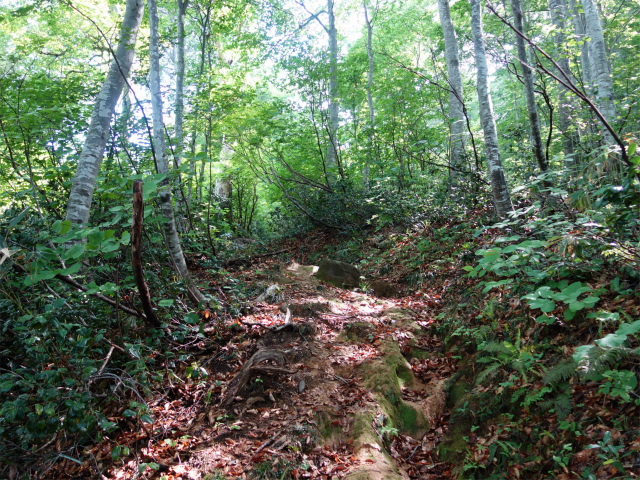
(408, 417)
(385, 377)
(363, 432)
(419, 354)
(357, 332)
(457, 391)
(454, 445)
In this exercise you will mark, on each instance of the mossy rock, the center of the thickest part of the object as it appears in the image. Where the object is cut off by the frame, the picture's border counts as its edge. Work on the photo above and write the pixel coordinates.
(403, 319)
(454, 445)
(369, 451)
(338, 274)
(357, 332)
(386, 377)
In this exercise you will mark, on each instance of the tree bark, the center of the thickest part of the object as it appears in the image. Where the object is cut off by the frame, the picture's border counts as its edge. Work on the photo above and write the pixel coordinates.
(456, 114)
(600, 66)
(579, 28)
(501, 196)
(527, 77)
(179, 102)
(332, 124)
(136, 262)
(164, 194)
(372, 115)
(84, 182)
(557, 9)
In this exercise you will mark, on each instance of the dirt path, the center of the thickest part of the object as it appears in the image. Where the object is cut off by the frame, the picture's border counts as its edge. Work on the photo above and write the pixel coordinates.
(363, 397)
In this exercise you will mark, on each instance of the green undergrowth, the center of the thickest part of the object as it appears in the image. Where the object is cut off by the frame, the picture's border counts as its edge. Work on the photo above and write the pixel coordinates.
(542, 309)
(549, 324)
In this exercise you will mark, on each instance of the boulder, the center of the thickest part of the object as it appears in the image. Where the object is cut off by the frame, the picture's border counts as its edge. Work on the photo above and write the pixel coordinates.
(384, 289)
(339, 274)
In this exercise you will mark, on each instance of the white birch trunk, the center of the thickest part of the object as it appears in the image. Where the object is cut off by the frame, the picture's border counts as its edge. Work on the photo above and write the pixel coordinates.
(179, 103)
(600, 67)
(372, 115)
(456, 113)
(557, 9)
(164, 194)
(501, 196)
(84, 182)
(527, 77)
(332, 123)
(579, 28)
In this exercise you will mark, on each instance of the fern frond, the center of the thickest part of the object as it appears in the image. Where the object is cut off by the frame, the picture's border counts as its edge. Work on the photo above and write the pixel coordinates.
(495, 347)
(490, 372)
(563, 405)
(560, 372)
(601, 359)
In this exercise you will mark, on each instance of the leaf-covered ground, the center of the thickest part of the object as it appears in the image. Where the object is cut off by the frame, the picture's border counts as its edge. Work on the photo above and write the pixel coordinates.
(374, 387)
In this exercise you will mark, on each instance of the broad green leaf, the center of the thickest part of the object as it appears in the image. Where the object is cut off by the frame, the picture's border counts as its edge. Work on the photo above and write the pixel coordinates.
(165, 303)
(612, 340)
(629, 328)
(147, 419)
(75, 268)
(74, 252)
(18, 218)
(545, 319)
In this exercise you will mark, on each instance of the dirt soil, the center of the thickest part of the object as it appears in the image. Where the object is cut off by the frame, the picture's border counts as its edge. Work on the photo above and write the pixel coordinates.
(359, 369)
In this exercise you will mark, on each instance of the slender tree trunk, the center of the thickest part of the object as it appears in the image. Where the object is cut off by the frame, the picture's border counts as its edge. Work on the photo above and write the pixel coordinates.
(557, 9)
(179, 102)
(501, 196)
(579, 28)
(332, 154)
(91, 156)
(528, 80)
(203, 21)
(166, 204)
(600, 66)
(456, 115)
(372, 115)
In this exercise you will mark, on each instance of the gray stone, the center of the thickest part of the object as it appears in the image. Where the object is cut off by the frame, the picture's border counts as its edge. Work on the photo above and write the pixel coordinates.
(339, 274)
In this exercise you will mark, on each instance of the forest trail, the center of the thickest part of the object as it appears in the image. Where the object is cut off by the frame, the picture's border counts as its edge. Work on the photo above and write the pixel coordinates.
(335, 414)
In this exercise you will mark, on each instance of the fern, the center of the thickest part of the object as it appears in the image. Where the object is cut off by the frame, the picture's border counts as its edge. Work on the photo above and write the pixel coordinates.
(560, 403)
(560, 372)
(600, 359)
(490, 372)
(563, 405)
(498, 347)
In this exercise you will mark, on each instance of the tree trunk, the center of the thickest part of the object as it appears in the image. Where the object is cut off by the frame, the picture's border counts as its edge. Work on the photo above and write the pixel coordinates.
(557, 9)
(600, 67)
(179, 102)
(501, 196)
(372, 116)
(332, 123)
(84, 181)
(164, 194)
(527, 77)
(456, 115)
(579, 28)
